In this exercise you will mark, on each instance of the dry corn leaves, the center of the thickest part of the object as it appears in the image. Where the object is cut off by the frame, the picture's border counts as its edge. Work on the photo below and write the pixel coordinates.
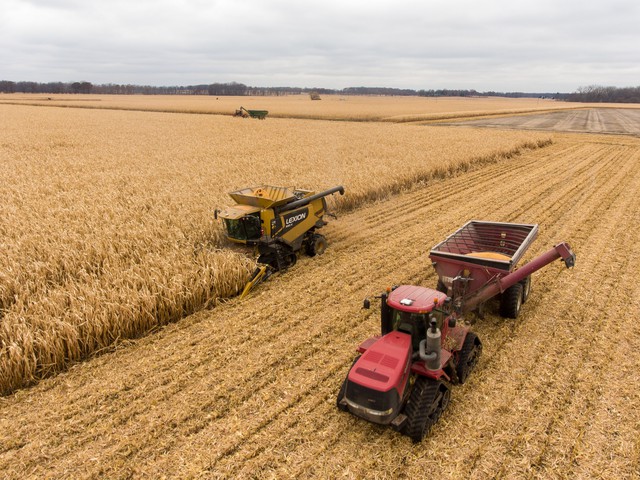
(248, 389)
(107, 221)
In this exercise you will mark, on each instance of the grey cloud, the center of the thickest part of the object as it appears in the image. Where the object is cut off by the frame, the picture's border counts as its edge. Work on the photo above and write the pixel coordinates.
(499, 45)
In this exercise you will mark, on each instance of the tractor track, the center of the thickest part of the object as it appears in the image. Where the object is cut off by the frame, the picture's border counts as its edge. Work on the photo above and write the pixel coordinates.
(537, 341)
(248, 389)
(567, 409)
(561, 372)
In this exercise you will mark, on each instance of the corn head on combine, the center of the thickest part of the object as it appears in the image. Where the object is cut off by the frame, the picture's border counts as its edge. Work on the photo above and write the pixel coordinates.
(278, 222)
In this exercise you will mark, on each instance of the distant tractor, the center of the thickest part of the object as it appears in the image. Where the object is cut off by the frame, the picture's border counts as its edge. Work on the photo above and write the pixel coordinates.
(279, 222)
(244, 113)
(403, 376)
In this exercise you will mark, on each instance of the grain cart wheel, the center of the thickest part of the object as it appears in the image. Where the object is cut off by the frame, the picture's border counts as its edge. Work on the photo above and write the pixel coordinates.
(526, 288)
(427, 401)
(317, 245)
(511, 301)
(468, 357)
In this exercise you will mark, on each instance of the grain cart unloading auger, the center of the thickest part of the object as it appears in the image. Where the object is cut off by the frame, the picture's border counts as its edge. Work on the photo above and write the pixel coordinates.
(402, 377)
(278, 221)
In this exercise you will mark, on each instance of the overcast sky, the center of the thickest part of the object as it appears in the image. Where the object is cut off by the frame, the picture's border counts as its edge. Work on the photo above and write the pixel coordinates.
(502, 45)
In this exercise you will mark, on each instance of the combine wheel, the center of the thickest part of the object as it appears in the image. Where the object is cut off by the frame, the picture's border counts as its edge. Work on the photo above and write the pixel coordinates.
(269, 259)
(317, 245)
(427, 401)
(526, 288)
(511, 301)
(292, 258)
(468, 357)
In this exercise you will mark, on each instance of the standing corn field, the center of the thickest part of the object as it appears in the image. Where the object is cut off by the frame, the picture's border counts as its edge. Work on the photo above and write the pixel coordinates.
(107, 216)
(248, 389)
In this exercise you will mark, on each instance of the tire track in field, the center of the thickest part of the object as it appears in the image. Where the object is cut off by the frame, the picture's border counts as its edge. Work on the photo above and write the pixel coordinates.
(594, 348)
(584, 398)
(537, 340)
(217, 394)
(555, 403)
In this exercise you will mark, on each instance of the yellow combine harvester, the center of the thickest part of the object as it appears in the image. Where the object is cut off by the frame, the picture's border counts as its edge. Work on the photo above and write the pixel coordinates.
(278, 221)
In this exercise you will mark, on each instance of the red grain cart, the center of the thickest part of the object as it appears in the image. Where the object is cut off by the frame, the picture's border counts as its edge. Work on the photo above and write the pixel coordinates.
(473, 264)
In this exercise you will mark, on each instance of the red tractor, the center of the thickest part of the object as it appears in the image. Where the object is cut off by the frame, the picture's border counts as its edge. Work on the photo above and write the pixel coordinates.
(403, 377)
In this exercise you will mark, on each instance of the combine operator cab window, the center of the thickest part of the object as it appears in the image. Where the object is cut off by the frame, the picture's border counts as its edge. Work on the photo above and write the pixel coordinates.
(244, 228)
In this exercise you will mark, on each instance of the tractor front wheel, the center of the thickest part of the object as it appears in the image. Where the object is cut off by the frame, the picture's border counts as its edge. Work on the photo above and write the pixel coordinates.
(425, 405)
(511, 301)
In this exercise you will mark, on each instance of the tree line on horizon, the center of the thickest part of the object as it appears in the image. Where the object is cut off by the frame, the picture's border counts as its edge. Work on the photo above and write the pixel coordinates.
(592, 93)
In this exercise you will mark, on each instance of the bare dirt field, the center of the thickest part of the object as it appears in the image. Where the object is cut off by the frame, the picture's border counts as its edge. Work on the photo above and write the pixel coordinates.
(247, 390)
(624, 121)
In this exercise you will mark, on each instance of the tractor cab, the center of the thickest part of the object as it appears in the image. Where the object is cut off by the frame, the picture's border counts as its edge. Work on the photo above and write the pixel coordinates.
(377, 385)
(409, 309)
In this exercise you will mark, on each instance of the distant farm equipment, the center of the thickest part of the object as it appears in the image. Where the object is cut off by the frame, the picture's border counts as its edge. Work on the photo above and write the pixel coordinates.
(244, 113)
